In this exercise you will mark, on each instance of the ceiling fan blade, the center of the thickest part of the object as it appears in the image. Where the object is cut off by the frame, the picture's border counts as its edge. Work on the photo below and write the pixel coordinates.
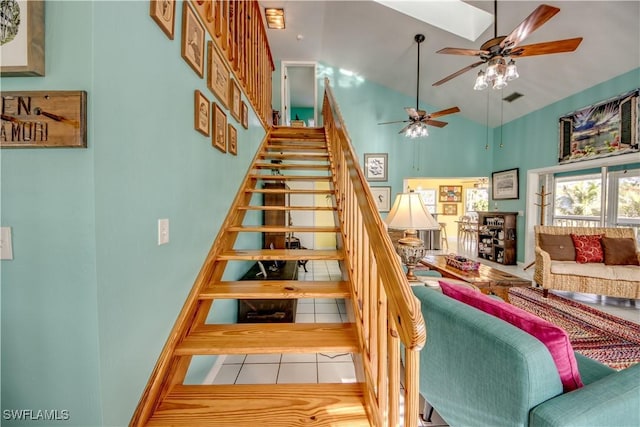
(444, 112)
(397, 121)
(558, 46)
(461, 51)
(436, 123)
(411, 112)
(542, 14)
(457, 73)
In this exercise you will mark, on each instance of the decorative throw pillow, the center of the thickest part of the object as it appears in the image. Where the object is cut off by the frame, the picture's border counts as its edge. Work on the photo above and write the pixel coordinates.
(558, 246)
(553, 337)
(620, 251)
(588, 248)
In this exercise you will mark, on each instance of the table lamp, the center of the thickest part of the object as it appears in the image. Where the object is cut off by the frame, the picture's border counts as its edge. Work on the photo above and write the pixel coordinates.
(408, 213)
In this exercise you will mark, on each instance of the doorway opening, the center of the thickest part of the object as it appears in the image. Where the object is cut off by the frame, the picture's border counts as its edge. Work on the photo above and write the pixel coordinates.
(299, 93)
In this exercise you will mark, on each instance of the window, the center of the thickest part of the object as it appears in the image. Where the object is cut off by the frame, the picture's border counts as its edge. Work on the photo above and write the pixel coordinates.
(581, 200)
(577, 200)
(625, 192)
(476, 199)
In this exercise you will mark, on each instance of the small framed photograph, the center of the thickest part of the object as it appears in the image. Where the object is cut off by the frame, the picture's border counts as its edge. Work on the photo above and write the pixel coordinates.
(232, 135)
(450, 193)
(219, 134)
(504, 184)
(192, 40)
(245, 115)
(202, 113)
(164, 13)
(375, 166)
(217, 75)
(235, 100)
(449, 209)
(382, 196)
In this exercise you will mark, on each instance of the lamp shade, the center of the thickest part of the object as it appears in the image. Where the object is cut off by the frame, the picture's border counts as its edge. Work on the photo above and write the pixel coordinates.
(408, 212)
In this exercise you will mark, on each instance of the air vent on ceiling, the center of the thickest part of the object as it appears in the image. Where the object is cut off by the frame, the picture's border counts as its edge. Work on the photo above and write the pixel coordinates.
(513, 97)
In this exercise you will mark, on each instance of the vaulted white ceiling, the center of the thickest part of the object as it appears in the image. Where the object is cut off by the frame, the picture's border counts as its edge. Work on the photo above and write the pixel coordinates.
(377, 43)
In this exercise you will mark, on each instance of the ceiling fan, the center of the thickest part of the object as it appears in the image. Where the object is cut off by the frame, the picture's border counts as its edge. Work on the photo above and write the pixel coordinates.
(496, 50)
(419, 119)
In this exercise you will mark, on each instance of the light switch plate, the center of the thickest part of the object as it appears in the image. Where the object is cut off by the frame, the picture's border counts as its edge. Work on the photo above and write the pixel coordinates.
(6, 248)
(163, 231)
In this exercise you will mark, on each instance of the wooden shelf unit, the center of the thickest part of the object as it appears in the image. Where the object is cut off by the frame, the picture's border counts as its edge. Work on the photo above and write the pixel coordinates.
(497, 237)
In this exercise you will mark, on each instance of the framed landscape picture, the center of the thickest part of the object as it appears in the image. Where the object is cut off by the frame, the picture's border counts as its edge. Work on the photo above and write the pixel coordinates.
(375, 166)
(219, 135)
(217, 75)
(164, 13)
(235, 100)
(192, 40)
(232, 135)
(202, 113)
(504, 184)
(382, 196)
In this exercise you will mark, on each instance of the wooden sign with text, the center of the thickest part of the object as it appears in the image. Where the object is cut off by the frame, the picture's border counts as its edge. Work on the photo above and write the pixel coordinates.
(42, 119)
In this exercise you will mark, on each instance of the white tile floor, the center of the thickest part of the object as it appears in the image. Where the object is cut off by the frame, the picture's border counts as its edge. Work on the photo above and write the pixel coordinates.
(331, 368)
(298, 368)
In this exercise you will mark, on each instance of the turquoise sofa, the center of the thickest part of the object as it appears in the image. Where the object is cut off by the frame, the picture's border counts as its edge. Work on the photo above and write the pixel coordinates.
(477, 370)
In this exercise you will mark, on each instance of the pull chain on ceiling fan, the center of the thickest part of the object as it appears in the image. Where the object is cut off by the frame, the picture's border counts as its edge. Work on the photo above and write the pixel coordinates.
(419, 119)
(496, 51)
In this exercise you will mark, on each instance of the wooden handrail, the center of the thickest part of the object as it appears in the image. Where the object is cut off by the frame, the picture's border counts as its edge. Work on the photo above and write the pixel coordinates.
(386, 310)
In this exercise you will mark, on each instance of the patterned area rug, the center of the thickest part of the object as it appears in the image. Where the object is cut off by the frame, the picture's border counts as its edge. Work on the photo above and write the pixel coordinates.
(593, 333)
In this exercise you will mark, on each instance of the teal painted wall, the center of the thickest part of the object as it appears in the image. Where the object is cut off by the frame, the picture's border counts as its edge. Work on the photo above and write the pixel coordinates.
(90, 298)
(302, 113)
(50, 351)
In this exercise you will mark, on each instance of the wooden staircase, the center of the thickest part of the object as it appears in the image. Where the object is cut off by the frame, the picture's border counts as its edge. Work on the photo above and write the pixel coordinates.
(288, 155)
(382, 310)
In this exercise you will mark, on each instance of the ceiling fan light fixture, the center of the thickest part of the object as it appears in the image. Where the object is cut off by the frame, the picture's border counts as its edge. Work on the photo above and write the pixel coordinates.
(512, 71)
(481, 81)
(416, 130)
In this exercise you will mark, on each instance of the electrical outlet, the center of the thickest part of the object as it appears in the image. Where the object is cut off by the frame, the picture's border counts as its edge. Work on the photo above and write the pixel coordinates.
(6, 248)
(163, 231)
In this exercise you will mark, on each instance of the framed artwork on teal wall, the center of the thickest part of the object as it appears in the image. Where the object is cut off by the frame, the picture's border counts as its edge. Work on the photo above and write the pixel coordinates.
(504, 184)
(164, 13)
(202, 113)
(375, 166)
(604, 129)
(192, 40)
(382, 196)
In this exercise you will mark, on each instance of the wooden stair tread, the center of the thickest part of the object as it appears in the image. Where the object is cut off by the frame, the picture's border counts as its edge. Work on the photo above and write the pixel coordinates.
(269, 338)
(280, 254)
(294, 405)
(292, 177)
(296, 147)
(287, 208)
(284, 229)
(276, 289)
(287, 191)
(295, 156)
(298, 166)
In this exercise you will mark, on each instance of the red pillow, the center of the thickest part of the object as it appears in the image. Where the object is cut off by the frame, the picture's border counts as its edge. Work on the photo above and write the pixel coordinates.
(553, 337)
(588, 248)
